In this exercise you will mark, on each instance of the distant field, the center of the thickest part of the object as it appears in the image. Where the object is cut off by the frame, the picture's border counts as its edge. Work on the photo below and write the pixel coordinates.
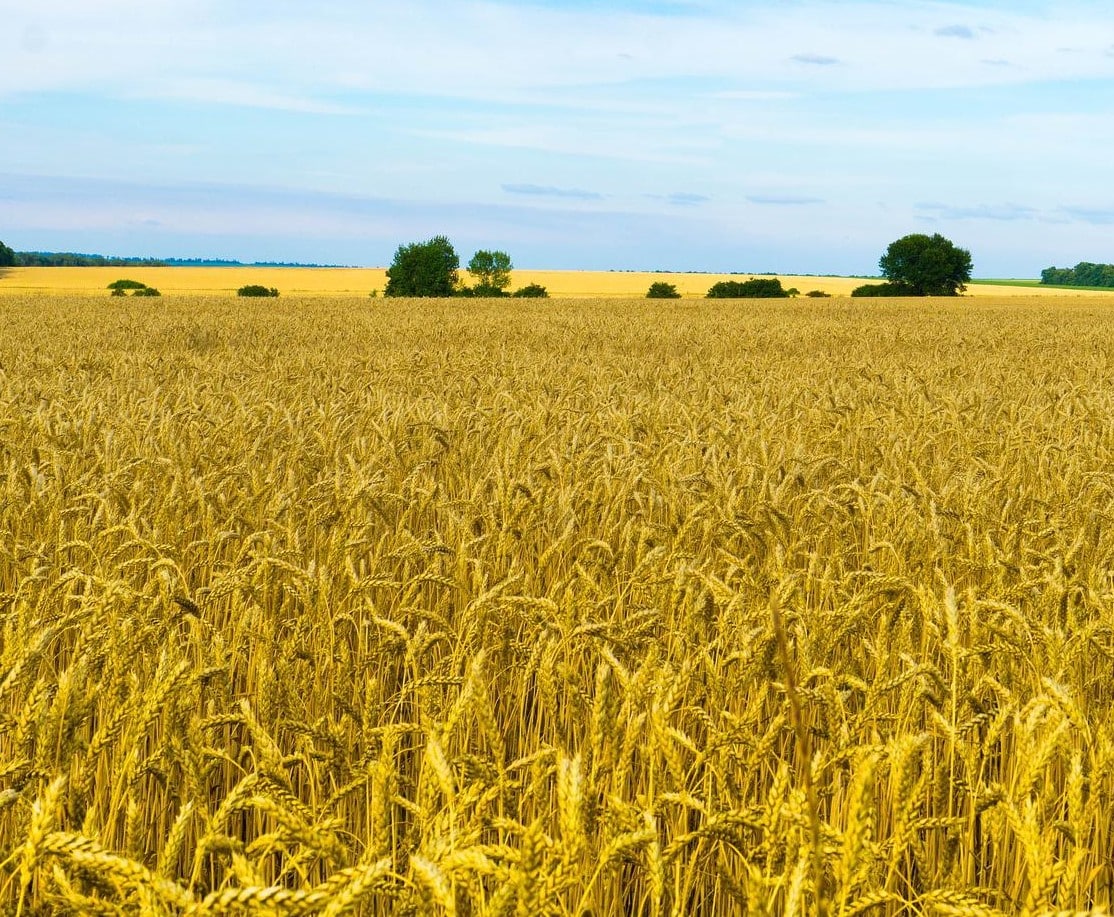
(223, 281)
(1036, 284)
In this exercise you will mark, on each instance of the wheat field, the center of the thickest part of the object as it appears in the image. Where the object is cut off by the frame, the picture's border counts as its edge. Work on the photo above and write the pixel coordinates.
(569, 607)
(333, 282)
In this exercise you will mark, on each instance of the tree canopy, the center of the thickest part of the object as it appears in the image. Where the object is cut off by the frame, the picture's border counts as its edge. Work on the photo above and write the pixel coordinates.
(926, 266)
(7, 256)
(492, 271)
(424, 269)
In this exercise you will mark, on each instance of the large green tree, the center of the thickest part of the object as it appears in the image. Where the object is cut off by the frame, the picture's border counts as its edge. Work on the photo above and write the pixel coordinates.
(424, 269)
(927, 265)
(492, 271)
(7, 256)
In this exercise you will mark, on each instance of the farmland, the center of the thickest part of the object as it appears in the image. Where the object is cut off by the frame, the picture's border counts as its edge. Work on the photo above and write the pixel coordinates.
(332, 282)
(579, 606)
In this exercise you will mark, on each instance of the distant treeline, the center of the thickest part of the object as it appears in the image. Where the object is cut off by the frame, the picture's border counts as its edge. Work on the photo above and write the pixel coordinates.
(74, 259)
(1084, 274)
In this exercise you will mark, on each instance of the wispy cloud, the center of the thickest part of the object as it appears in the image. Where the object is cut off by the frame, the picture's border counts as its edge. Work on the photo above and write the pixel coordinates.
(683, 199)
(578, 194)
(956, 31)
(783, 200)
(755, 95)
(1003, 212)
(816, 60)
(1098, 216)
(244, 95)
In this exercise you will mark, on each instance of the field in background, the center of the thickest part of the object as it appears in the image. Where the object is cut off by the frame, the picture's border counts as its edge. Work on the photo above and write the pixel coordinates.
(325, 605)
(223, 281)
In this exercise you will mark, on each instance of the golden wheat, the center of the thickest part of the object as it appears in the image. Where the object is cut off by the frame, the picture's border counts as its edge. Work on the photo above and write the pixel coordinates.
(339, 606)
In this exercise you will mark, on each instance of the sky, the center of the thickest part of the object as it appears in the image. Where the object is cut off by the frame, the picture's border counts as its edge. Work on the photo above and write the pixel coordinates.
(800, 136)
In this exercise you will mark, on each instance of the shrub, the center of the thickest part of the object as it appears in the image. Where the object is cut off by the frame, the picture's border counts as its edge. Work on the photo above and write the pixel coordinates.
(818, 294)
(146, 291)
(884, 289)
(127, 285)
(482, 290)
(254, 289)
(755, 288)
(662, 290)
(118, 292)
(532, 291)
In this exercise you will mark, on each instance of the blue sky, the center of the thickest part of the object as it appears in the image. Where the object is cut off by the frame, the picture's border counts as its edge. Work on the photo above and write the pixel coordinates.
(796, 136)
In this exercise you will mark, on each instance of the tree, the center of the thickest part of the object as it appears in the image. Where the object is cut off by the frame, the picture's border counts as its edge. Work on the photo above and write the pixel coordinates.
(255, 289)
(755, 288)
(424, 269)
(662, 290)
(927, 265)
(492, 271)
(7, 256)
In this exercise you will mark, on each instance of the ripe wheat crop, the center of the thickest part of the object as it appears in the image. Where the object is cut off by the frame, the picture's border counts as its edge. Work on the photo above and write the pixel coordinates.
(326, 606)
(334, 282)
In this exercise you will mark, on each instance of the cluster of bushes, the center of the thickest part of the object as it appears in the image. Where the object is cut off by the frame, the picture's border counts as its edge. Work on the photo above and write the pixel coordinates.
(7, 256)
(254, 289)
(883, 289)
(121, 287)
(531, 291)
(1084, 274)
(755, 288)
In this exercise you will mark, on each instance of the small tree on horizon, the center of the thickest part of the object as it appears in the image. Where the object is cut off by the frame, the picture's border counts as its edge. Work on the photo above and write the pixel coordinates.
(492, 271)
(926, 265)
(424, 269)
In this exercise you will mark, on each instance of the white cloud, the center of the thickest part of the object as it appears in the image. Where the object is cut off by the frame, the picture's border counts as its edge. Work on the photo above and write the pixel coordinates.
(238, 93)
(483, 50)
